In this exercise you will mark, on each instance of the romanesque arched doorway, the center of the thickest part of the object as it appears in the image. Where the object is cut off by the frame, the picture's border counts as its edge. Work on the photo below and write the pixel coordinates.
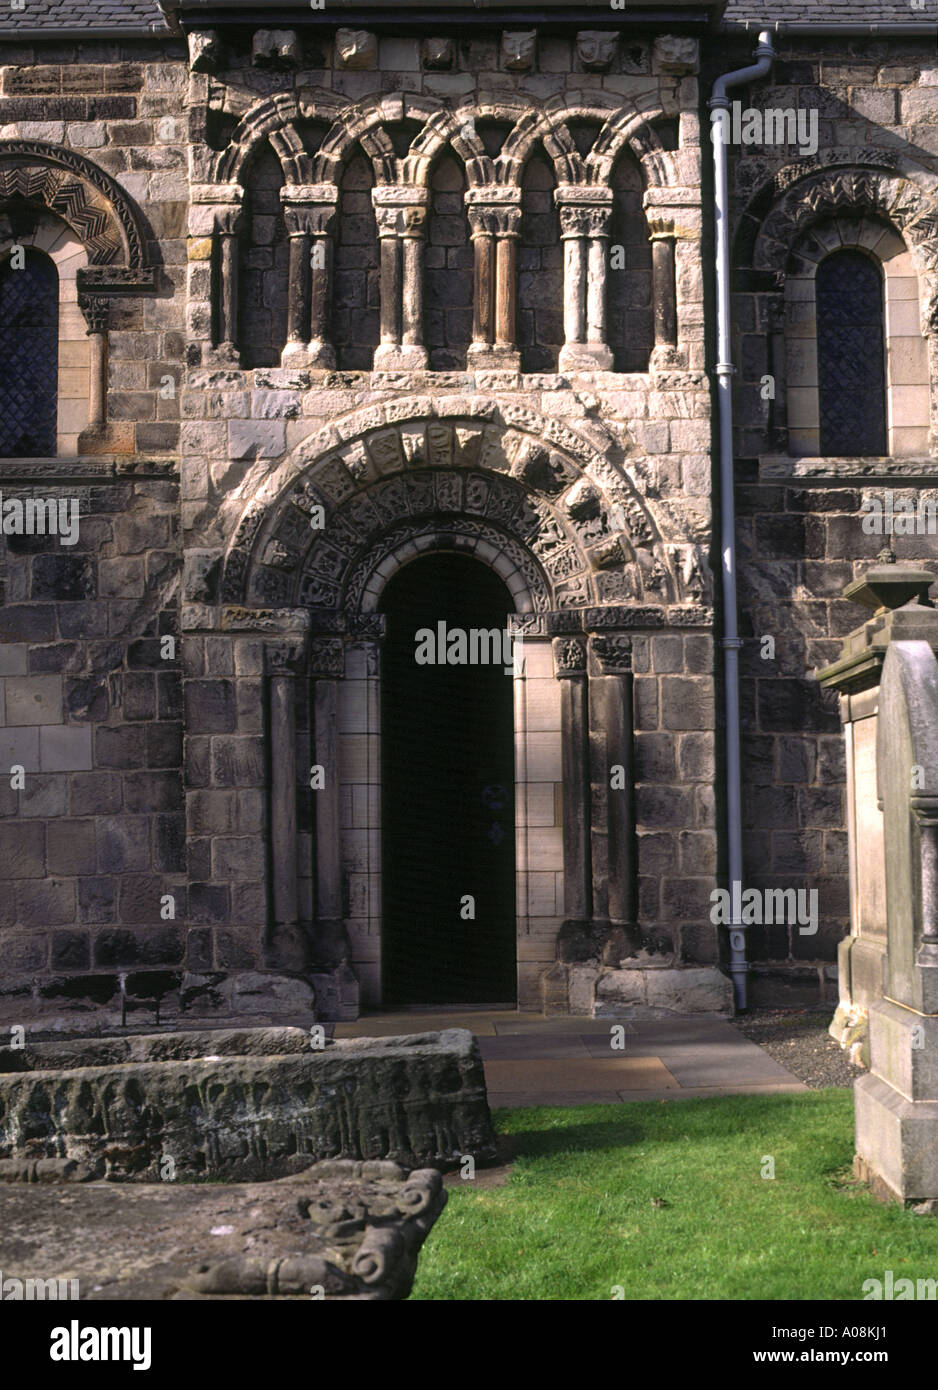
(447, 737)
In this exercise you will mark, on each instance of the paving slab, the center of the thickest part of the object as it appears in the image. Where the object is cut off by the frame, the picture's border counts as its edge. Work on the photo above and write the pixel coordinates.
(569, 1060)
(546, 1076)
(516, 1046)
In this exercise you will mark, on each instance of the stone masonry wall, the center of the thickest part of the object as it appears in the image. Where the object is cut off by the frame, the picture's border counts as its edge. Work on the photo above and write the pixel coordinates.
(799, 528)
(91, 697)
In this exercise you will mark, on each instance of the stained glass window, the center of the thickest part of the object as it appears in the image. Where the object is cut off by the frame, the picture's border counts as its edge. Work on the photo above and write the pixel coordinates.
(851, 355)
(29, 357)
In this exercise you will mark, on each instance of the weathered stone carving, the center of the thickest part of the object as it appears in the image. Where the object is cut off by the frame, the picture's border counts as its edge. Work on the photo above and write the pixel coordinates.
(327, 658)
(356, 49)
(596, 48)
(79, 191)
(437, 54)
(518, 49)
(268, 1104)
(343, 1229)
(205, 50)
(276, 48)
(569, 656)
(613, 653)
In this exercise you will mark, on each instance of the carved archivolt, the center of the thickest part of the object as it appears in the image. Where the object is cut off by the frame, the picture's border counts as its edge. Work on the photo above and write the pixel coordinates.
(367, 123)
(59, 181)
(906, 199)
(501, 480)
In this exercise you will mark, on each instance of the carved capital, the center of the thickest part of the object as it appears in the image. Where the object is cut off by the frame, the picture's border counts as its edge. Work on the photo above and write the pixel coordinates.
(660, 229)
(584, 211)
(578, 221)
(497, 221)
(286, 656)
(96, 310)
(327, 658)
(409, 221)
(569, 656)
(612, 653)
(306, 220)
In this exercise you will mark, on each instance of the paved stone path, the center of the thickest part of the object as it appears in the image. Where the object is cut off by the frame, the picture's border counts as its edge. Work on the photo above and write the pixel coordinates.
(531, 1060)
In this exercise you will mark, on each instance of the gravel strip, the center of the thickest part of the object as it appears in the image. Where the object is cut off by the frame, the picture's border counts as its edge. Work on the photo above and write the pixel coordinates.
(798, 1039)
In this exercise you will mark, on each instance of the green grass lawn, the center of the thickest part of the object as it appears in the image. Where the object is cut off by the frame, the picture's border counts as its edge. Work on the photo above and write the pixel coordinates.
(578, 1215)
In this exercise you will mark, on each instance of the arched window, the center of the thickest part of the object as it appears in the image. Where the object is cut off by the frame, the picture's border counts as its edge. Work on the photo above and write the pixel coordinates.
(29, 355)
(851, 354)
(264, 265)
(355, 305)
(449, 261)
(540, 270)
(629, 317)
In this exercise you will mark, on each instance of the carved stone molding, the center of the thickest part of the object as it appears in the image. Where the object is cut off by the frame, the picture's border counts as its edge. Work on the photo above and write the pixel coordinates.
(286, 656)
(205, 50)
(74, 188)
(96, 310)
(327, 658)
(819, 194)
(506, 468)
(518, 50)
(569, 656)
(596, 49)
(613, 653)
(356, 49)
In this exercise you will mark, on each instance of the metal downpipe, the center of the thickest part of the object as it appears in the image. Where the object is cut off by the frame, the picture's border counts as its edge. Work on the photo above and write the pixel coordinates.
(719, 102)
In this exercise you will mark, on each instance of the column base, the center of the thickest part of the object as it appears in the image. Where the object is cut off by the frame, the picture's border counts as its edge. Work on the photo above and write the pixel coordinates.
(295, 354)
(397, 357)
(320, 354)
(494, 357)
(224, 355)
(666, 357)
(585, 357)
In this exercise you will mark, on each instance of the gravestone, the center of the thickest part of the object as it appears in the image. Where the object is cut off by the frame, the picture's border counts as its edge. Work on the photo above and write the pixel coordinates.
(897, 1102)
(897, 596)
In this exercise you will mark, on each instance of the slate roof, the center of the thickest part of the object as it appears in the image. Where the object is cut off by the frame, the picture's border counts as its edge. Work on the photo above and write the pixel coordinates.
(767, 12)
(81, 14)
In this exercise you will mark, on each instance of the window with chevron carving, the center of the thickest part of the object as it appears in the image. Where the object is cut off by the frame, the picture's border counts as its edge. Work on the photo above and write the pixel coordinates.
(29, 356)
(851, 355)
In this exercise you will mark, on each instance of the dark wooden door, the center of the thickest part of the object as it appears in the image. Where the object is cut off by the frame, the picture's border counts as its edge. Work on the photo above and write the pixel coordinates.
(447, 795)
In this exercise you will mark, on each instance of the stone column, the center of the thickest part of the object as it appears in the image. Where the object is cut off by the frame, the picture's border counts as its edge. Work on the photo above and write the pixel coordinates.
(286, 947)
(228, 222)
(612, 725)
(584, 228)
(96, 312)
(674, 215)
(401, 214)
(570, 667)
(482, 231)
(211, 290)
(495, 224)
(310, 211)
(664, 294)
(327, 667)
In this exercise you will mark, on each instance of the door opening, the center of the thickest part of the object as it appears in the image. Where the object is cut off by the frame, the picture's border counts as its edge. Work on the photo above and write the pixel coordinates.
(448, 821)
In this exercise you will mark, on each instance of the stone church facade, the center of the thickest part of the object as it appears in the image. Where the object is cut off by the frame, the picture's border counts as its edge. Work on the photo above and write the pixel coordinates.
(301, 310)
